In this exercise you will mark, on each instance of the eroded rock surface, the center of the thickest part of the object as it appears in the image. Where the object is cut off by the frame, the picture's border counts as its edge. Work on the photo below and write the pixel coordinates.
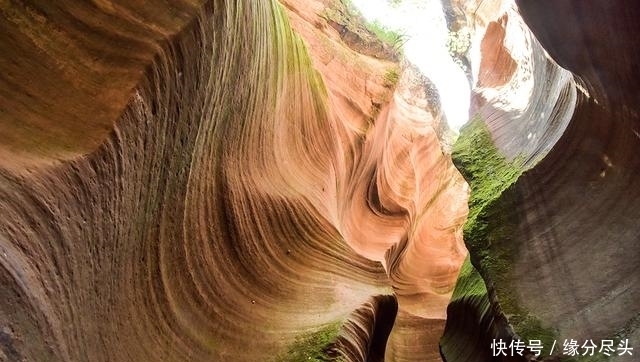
(238, 181)
(552, 245)
(229, 193)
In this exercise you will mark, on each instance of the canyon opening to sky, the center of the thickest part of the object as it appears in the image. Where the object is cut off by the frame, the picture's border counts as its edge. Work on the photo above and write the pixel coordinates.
(425, 28)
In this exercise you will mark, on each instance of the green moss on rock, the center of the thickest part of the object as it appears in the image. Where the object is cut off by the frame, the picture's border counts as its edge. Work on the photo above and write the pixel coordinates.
(469, 282)
(469, 320)
(485, 169)
(314, 346)
(366, 37)
(490, 229)
(391, 77)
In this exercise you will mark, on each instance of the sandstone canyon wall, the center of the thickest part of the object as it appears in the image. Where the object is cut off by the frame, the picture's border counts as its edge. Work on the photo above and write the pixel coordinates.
(246, 181)
(179, 183)
(556, 241)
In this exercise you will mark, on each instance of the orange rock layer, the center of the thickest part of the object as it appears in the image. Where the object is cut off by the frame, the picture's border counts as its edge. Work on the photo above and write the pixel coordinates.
(223, 202)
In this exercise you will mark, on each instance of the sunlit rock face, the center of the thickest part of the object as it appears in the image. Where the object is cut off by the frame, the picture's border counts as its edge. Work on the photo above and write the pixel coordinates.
(405, 202)
(197, 182)
(556, 247)
(523, 96)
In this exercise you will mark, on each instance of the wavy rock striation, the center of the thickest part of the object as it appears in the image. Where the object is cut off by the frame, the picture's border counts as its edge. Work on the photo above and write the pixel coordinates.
(69, 69)
(195, 181)
(180, 183)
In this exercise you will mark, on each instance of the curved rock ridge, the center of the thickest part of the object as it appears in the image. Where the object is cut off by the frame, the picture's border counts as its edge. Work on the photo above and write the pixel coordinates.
(552, 239)
(364, 335)
(69, 68)
(201, 217)
(402, 174)
(223, 199)
(358, 85)
(523, 96)
(404, 202)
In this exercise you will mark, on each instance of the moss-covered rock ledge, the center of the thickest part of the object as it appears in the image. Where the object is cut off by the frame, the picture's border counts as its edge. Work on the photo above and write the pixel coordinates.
(483, 306)
(314, 346)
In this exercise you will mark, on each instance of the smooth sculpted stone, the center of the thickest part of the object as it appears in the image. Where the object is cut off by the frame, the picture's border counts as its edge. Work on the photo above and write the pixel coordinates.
(556, 246)
(69, 68)
(245, 181)
(196, 182)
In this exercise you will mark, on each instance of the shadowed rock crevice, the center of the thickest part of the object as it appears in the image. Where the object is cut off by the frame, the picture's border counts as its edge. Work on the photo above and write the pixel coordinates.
(364, 335)
(536, 245)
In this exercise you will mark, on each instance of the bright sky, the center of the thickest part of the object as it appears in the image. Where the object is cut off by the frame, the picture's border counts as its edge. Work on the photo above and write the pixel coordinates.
(423, 22)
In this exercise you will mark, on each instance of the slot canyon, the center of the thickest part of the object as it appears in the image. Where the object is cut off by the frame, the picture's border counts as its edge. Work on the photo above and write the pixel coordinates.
(268, 180)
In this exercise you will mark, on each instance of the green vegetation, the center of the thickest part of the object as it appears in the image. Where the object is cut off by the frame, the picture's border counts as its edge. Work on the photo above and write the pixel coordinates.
(297, 60)
(391, 77)
(388, 36)
(469, 282)
(458, 43)
(490, 226)
(487, 172)
(313, 347)
(470, 317)
(343, 12)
